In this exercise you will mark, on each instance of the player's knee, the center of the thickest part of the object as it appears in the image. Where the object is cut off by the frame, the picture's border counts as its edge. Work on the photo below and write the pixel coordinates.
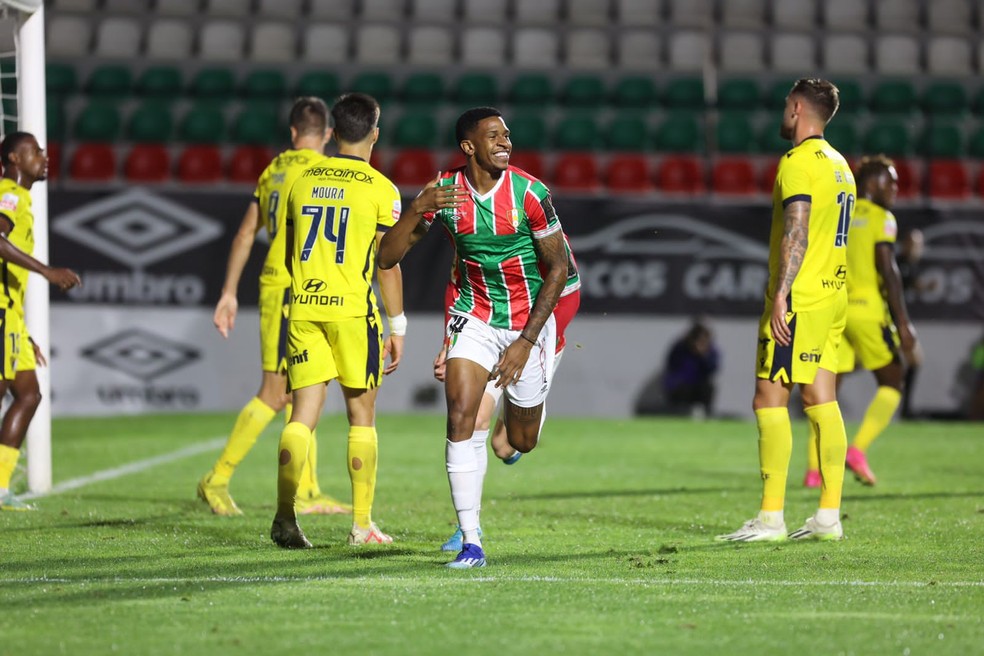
(29, 398)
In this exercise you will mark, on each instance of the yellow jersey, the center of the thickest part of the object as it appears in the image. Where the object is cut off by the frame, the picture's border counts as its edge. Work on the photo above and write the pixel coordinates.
(15, 205)
(335, 209)
(872, 225)
(271, 195)
(813, 171)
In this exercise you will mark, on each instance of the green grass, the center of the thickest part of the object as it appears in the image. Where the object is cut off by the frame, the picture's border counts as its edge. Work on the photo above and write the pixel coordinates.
(599, 542)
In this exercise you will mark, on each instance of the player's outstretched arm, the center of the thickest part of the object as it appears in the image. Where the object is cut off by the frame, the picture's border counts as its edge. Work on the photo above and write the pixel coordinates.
(411, 227)
(895, 295)
(63, 279)
(792, 250)
(228, 305)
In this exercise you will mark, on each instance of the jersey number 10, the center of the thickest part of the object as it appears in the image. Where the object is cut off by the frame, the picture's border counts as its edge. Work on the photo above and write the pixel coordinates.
(846, 202)
(332, 232)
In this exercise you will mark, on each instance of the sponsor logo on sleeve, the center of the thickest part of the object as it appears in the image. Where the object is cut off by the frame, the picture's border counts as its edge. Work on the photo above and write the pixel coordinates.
(9, 202)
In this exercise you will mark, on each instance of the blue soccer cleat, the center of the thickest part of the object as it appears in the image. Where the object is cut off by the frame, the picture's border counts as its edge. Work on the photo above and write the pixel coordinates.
(471, 556)
(454, 542)
(513, 459)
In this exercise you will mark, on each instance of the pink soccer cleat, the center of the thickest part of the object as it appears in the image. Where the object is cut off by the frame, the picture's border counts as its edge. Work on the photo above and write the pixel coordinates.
(812, 478)
(857, 462)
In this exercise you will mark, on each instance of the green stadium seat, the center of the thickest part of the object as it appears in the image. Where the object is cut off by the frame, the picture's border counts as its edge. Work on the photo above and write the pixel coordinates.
(218, 83)
(531, 90)
(60, 80)
(944, 99)
(679, 133)
(416, 129)
(98, 121)
(257, 125)
(684, 93)
(528, 131)
(627, 132)
(775, 97)
(151, 122)
(889, 137)
(843, 136)
(110, 80)
(264, 84)
(587, 91)
(942, 140)
(738, 95)
(203, 124)
(55, 117)
(893, 97)
(163, 82)
(769, 141)
(475, 89)
(577, 132)
(851, 96)
(318, 84)
(377, 85)
(735, 134)
(423, 88)
(634, 92)
(975, 148)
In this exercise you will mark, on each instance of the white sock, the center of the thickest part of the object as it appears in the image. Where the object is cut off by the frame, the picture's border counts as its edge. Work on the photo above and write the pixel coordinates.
(772, 517)
(828, 516)
(479, 441)
(462, 473)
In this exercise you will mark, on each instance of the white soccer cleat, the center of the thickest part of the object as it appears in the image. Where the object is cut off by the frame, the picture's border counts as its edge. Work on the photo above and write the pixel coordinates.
(813, 530)
(372, 535)
(755, 530)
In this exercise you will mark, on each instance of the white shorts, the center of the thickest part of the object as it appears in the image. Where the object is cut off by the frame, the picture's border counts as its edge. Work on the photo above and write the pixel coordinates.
(475, 340)
(496, 392)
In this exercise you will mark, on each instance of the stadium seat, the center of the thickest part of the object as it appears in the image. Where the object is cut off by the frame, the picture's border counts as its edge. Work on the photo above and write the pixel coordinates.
(679, 133)
(684, 93)
(793, 53)
(325, 43)
(628, 174)
(150, 123)
(743, 14)
(530, 161)
(423, 89)
(841, 15)
(637, 13)
(528, 131)
(283, 9)
(541, 12)
(147, 163)
(318, 84)
(638, 50)
(54, 152)
(585, 91)
(257, 125)
(942, 140)
(264, 84)
(942, 98)
(98, 121)
(222, 40)
(894, 97)
(948, 179)
(767, 180)
(117, 37)
(634, 92)
(897, 16)
(976, 146)
(735, 134)
(980, 182)
(248, 162)
(794, 14)
(775, 97)
(690, 13)
(177, 7)
(68, 37)
(742, 52)
(60, 80)
(384, 10)
(888, 136)
(200, 164)
(378, 85)
(687, 51)
(93, 162)
(769, 141)
(909, 183)
(740, 94)
(78, 6)
(162, 82)
(734, 176)
(483, 46)
(416, 129)
(426, 12)
(531, 89)
(55, 119)
(949, 55)
(140, 7)
(413, 167)
(843, 136)
(474, 89)
(588, 49)
(535, 47)
(110, 81)
(213, 83)
(487, 12)
(588, 12)
(273, 43)
(577, 132)
(203, 124)
(897, 54)
(678, 174)
(330, 9)
(430, 45)
(575, 172)
(168, 38)
(627, 132)
(230, 8)
(950, 16)
(377, 44)
(845, 53)
(851, 97)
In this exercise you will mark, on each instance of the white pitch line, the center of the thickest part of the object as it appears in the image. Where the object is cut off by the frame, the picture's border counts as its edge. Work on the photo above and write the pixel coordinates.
(127, 469)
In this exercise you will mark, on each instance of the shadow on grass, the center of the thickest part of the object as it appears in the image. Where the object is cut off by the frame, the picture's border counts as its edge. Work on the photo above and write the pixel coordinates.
(598, 494)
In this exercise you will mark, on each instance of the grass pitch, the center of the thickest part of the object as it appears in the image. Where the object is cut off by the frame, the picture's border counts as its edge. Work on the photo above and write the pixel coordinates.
(598, 542)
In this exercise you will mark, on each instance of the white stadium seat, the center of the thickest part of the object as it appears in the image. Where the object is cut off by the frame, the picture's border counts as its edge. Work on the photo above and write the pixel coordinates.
(383, 10)
(177, 8)
(541, 12)
(845, 14)
(897, 54)
(588, 49)
(434, 11)
(949, 55)
(687, 51)
(331, 9)
(227, 8)
(794, 14)
(485, 46)
(273, 42)
(430, 45)
(897, 16)
(535, 47)
(325, 43)
(588, 12)
(221, 40)
(950, 16)
(743, 13)
(377, 44)
(282, 9)
(742, 52)
(113, 7)
(118, 37)
(690, 13)
(169, 39)
(637, 13)
(845, 53)
(794, 53)
(75, 5)
(68, 36)
(638, 50)
(493, 12)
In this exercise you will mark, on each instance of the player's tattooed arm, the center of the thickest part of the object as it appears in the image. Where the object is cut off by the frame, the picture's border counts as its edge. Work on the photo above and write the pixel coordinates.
(792, 251)
(551, 251)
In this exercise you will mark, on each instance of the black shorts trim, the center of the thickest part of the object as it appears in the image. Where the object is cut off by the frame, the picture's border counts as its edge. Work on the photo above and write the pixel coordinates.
(782, 356)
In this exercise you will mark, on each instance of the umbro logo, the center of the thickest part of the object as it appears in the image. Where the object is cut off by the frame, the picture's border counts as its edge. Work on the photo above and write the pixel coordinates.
(141, 354)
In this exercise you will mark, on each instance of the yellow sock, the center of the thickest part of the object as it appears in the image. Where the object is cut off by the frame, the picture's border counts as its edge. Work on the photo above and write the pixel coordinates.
(309, 475)
(362, 454)
(877, 417)
(253, 418)
(832, 439)
(812, 449)
(293, 450)
(8, 462)
(775, 447)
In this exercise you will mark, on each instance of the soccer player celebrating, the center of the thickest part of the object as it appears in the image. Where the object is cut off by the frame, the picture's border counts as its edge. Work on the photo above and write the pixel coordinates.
(875, 297)
(24, 163)
(337, 211)
(309, 133)
(501, 326)
(805, 310)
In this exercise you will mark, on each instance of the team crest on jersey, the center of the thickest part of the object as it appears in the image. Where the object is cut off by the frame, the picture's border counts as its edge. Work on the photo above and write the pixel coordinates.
(891, 227)
(514, 217)
(9, 202)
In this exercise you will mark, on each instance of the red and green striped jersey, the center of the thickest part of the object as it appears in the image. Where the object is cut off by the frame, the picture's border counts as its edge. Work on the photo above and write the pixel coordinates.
(496, 265)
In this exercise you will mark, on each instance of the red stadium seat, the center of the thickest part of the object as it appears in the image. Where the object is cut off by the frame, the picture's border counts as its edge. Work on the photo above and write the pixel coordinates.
(768, 178)
(248, 162)
(413, 167)
(457, 159)
(908, 179)
(54, 152)
(93, 162)
(680, 174)
(734, 176)
(576, 172)
(528, 160)
(148, 163)
(948, 179)
(628, 173)
(200, 164)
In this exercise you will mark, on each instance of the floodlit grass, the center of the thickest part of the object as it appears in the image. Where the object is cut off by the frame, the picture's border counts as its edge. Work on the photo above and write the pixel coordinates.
(599, 542)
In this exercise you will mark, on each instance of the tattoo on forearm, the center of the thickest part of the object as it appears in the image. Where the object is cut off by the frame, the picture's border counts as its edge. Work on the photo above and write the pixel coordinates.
(551, 251)
(792, 250)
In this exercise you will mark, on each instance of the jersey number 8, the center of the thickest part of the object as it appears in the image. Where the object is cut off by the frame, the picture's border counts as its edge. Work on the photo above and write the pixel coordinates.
(332, 232)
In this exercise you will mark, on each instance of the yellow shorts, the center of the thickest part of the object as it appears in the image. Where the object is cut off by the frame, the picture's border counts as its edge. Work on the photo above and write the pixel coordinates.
(14, 339)
(816, 338)
(872, 344)
(274, 306)
(350, 350)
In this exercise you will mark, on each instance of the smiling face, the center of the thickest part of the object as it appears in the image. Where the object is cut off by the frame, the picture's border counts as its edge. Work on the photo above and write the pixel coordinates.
(489, 144)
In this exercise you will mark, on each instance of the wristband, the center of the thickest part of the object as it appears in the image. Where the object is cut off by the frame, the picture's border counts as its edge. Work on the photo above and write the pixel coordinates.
(398, 325)
(533, 342)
